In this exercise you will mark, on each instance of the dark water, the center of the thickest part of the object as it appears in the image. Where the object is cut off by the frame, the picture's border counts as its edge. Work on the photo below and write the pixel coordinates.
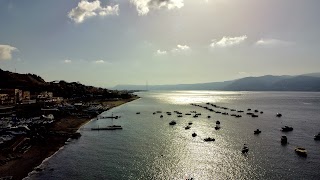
(148, 148)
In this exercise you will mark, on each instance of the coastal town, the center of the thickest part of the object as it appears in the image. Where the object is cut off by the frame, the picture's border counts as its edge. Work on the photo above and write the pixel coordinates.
(35, 124)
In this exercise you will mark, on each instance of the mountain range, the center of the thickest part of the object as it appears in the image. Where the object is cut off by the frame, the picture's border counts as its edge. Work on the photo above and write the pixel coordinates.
(304, 82)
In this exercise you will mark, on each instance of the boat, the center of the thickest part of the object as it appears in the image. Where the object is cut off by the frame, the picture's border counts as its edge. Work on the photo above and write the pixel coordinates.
(256, 110)
(113, 127)
(194, 134)
(179, 115)
(240, 111)
(217, 127)
(172, 123)
(245, 149)
(249, 109)
(161, 116)
(257, 131)
(237, 116)
(301, 151)
(317, 137)
(209, 139)
(188, 114)
(209, 116)
(278, 115)
(284, 140)
(187, 127)
(286, 129)
(138, 113)
(261, 112)
(190, 123)
(254, 115)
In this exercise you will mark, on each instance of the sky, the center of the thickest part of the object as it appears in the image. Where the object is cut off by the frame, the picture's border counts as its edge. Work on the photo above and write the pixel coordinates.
(109, 42)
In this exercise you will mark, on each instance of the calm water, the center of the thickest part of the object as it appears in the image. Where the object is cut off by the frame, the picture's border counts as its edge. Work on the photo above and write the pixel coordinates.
(148, 148)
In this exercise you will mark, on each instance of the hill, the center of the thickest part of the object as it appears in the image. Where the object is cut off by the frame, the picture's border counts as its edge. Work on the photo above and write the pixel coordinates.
(305, 82)
(35, 84)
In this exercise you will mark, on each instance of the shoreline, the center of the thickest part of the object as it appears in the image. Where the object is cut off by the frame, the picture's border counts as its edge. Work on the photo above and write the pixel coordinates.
(32, 160)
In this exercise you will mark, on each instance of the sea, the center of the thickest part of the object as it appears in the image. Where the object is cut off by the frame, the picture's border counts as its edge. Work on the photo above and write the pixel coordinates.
(149, 148)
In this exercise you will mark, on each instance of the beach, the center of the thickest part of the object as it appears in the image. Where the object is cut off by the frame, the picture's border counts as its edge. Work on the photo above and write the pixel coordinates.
(19, 167)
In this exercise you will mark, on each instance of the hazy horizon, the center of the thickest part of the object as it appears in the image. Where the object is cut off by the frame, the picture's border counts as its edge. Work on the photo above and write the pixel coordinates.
(108, 43)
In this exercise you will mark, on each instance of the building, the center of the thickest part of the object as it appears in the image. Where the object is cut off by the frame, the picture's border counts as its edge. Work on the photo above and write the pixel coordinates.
(10, 96)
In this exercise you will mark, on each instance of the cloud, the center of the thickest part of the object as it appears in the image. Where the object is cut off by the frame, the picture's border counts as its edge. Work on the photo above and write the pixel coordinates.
(6, 52)
(67, 61)
(159, 52)
(86, 9)
(228, 41)
(272, 42)
(181, 48)
(144, 6)
(100, 61)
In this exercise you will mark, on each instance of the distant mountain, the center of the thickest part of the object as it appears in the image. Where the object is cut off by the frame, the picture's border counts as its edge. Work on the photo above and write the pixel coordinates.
(306, 82)
(312, 74)
(199, 86)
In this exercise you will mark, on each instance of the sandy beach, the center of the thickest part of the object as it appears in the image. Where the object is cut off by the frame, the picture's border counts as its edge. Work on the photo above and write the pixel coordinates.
(20, 167)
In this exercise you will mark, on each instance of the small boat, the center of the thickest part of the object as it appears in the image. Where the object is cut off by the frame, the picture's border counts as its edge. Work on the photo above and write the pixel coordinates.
(158, 111)
(138, 113)
(237, 116)
(254, 115)
(245, 149)
(224, 113)
(286, 129)
(217, 122)
(278, 115)
(172, 123)
(209, 116)
(187, 127)
(161, 116)
(154, 113)
(232, 110)
(284, 140)
(217, 127)
(194, 134)
(257, 131)
(301, 151)
(190, 123)
(256, 110)
(209, 139)
(249, 109)
(179, 115)
(317, 137)
(261, 112)
(113, 127)
(188, 114)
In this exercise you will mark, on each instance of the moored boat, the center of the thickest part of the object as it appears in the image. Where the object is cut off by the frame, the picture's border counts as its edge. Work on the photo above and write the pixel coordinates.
(301, 151)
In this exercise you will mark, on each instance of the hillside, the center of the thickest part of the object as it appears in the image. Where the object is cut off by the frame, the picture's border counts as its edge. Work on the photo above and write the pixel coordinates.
(35, 84)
